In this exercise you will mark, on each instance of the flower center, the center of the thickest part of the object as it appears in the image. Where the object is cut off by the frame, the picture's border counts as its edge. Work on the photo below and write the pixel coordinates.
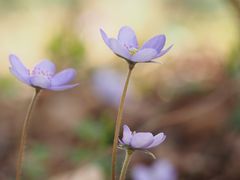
(41, 78)
(132, 50)
(41, 72)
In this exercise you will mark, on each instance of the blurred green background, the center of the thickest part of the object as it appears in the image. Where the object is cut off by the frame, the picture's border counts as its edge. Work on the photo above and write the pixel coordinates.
(193, 96)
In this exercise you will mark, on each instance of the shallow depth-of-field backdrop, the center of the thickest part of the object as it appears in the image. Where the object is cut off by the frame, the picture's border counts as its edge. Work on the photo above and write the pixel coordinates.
(193, 96)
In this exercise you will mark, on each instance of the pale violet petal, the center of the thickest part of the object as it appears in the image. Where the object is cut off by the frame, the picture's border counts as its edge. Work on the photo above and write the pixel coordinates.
(127, 37)
(141, 140)
(19, 76)
(105, 38)
(144, 55)
(141, 172)
(158, 139)
(164, 169)
(162, 52)
(119, 49)
(127, 135)
(62, 87)
(157, 43)
(63, 77)
(45, 66)
(40, 81)
(18, 66)
(120, 142)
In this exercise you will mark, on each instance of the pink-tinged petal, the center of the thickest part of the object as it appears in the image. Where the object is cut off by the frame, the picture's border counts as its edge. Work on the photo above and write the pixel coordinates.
(158, 139)
(105, 38)
(63, 87)
(127, 37)
(144, 55)
(19, 76)
(46, 67)
(40, 81)
(119, 49)
(141, 140)
(18, 66)
(164, 51)
(63, 77)
(127, 135)
(157, 43)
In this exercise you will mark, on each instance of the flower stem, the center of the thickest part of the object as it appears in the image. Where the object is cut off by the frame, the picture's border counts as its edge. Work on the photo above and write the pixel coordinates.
(119, 121)
(128, 157)
(24, 135)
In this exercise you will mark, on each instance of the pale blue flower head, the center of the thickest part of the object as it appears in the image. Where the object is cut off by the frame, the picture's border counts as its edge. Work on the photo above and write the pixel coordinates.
(140, 140)
(126, 46)
(43, 75)
(160, 170)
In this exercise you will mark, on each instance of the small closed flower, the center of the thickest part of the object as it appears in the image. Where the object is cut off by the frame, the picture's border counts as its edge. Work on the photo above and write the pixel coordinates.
(140, 140)
(43, 75)
(126, 46)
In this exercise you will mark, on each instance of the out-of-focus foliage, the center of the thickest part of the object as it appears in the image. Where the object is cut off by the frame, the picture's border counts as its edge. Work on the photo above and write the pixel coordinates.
(7, 86)
(16, 4)
(233, 65)
(98, 131)
(67, 46)
(205, 6)
(36, 161)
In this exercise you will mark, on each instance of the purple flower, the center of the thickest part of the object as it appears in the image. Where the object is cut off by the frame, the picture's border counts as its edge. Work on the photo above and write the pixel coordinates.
(126, 46)
(140, 140)
(160, 170)
(43, 75)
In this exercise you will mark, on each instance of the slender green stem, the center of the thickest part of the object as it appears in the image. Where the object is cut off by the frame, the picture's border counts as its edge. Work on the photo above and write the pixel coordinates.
(128, 157)
(119, 122)
(24, 135)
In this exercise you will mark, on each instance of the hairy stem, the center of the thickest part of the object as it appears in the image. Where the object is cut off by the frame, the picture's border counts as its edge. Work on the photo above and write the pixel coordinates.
(119, 122)
(127, 159)
(24, 135)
